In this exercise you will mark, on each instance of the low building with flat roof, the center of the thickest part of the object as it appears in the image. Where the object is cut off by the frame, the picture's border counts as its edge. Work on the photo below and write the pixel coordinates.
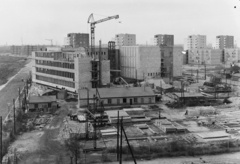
(118, 96)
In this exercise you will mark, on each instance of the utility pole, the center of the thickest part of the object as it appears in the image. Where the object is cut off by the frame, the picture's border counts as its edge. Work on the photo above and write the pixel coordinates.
(14, 120)
(205, 70)
(118, 136)
(120, 161)
(19, 98)
(1, 139)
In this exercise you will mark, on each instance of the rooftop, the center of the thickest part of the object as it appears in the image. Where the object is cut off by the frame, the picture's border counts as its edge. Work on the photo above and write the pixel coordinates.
(117, 92)
(42, 99)
(187, 94)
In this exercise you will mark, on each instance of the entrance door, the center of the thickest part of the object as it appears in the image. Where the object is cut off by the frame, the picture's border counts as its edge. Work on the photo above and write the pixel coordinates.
(130, 101)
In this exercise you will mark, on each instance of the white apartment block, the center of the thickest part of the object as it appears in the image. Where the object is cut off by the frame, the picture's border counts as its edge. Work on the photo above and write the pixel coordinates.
(125, 39)
(195, 42)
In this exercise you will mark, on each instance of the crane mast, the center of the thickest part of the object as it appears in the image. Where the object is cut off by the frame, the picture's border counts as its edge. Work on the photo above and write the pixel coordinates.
(92, 28)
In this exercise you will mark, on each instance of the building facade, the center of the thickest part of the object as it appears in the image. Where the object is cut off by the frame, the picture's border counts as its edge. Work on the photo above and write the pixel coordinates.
(125, 39)
(171, 61)
(139, 62)
(69, 70)
(195, 42)
(224, 41)
(164, 39)
(26, 49)
(205, 56)
(114, 58)
(76, 40)
(118, 96)
(230, 56)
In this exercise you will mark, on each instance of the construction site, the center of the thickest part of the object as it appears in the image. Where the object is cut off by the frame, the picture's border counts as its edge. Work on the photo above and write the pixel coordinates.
(124, 120)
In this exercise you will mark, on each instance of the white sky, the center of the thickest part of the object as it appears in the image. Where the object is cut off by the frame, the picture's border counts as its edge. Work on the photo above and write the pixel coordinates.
(37, 20)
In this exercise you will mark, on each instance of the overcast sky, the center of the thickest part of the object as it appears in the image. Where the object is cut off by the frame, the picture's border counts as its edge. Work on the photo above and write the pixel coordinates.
(33, 21)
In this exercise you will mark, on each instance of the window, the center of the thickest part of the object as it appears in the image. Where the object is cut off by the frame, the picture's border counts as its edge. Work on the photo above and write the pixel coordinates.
(142, 100)
(150, 100)
(135, 100)
(109, 101)
(118, 101)
(124, 100)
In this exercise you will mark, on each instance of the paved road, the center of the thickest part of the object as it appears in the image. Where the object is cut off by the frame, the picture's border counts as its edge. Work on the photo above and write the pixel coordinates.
(10, 91)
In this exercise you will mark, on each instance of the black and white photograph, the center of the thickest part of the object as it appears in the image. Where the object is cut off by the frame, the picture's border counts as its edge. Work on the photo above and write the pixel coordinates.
(120, 82)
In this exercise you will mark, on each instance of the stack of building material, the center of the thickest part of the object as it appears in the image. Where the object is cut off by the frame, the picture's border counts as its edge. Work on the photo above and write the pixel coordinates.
(214, 136)
(113, 114)
(180, 128)
(134, 111)
(141, 126)
(109, 132)
(165, 126)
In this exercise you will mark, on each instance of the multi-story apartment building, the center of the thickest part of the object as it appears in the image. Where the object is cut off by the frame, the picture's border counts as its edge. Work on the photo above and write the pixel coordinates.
(230, 55)
(69, 70)
(139, 62)
(125, 39)
(205, 56)
(195, 42)
(167, 40)
(224, 41)
(76, 40)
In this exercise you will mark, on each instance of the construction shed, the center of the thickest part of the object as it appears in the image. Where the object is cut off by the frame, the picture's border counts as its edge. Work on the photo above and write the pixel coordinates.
(190, 98)
(42, 104)
(123, 96)
(165, 88)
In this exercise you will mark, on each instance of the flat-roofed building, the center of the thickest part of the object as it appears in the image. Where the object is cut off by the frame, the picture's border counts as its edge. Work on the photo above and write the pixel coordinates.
(77, 40)
(164, 39)
(224, 41)
(195, 42)
(125, 39)
(69, 70)
(205, 56)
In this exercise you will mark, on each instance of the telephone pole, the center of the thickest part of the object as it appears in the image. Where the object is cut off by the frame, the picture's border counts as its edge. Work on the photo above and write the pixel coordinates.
(14, 120)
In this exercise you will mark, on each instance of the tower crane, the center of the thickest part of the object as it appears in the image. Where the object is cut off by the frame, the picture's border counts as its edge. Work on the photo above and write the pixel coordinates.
(50, 41)
(92, 26)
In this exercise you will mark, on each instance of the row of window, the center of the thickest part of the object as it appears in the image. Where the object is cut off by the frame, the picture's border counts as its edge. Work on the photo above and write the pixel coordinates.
(55, 72)
(55, 64)
(56, 81)
(135, 100)
(47, 54)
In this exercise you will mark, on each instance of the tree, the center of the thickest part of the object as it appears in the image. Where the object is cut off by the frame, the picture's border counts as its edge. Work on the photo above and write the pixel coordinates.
(74, 146)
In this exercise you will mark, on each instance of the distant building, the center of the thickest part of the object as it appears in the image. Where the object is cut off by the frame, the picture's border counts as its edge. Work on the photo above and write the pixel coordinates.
(69, 70)
(206, 55)
(230, 55)
(139, 62)
(27, 49)
(125, 39)
(164, 39)
(118, 96)
(224, 41)
(76, 40)
(195, 42)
